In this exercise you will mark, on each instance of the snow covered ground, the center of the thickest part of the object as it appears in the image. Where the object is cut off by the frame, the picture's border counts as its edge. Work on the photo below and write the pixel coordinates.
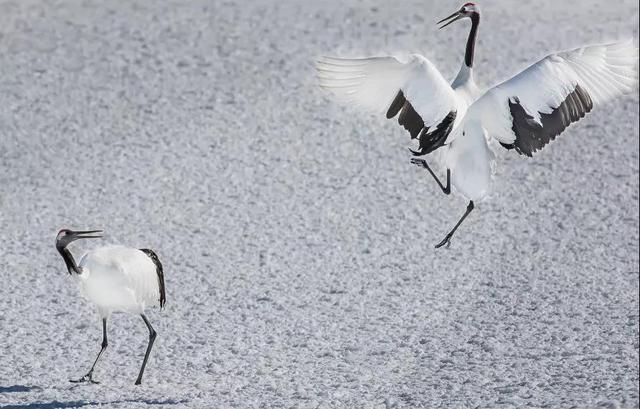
(296, 236)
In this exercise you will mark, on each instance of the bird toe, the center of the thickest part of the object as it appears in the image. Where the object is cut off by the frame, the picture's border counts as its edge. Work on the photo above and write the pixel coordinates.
(446, 240)
(86, 378)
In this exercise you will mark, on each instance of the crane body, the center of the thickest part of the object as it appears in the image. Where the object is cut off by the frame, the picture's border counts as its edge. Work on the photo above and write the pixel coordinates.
(115, 279)
(523, 113)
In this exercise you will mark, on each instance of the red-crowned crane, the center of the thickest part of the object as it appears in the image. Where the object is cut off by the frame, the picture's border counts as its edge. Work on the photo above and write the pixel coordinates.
(523, 113)
(115, 278)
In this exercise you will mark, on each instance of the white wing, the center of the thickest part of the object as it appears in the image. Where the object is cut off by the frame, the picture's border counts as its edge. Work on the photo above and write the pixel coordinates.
(528, 111)
(120, 277)
(142, 275)
(414, 87)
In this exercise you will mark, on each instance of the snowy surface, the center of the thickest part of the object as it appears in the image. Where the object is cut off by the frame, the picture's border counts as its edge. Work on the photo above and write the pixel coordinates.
(296, 236)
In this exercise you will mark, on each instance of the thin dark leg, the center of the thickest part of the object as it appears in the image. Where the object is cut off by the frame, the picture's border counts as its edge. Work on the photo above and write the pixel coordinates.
(89, 376)
(423, 163)
(152, 337)
(447, 239)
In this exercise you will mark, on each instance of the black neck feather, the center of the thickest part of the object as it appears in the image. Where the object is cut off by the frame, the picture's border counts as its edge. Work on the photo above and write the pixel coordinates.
(471, 41)
(72, 267)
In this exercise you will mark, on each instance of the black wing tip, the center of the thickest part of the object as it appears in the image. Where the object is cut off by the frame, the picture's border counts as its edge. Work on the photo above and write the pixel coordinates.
(396, 105)
(532, 136)
(414, 124)
(154, 257)
(410, 120)
(429, 142)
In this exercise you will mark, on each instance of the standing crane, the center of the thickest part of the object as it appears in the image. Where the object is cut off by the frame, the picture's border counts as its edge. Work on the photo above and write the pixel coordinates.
(523, 114)
(115, 278)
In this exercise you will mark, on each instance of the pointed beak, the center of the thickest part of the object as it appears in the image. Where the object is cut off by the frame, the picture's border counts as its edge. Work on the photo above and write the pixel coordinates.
(454, 17)
(87, 234)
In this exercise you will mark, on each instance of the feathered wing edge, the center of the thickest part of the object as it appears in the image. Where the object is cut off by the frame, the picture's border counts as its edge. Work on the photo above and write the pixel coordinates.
(160, 272)
(529, 110)
(411, 87)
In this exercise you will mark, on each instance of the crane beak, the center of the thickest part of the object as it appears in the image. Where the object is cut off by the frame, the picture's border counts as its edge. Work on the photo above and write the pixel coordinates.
(87, 234)
(454, 17)
(72, 236)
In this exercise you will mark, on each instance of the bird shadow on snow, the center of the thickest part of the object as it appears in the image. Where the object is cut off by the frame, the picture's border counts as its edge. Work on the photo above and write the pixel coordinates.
(77, 404)
(47, 405)
(18, 388)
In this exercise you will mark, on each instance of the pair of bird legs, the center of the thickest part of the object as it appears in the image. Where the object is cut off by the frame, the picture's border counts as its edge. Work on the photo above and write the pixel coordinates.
(152, 333)
(447, 190)
(152, 337)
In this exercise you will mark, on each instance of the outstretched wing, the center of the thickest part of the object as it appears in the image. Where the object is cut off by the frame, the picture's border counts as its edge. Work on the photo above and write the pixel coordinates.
(529, 110)
(414, 88)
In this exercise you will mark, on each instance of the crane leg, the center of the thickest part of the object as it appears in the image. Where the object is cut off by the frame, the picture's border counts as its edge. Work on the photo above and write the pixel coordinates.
(447, 239)
(152, 337)
(89, 376)
(421, 162)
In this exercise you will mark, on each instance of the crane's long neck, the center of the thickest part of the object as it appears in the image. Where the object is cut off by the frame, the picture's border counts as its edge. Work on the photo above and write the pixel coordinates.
(465, 75)
(471, 41)
(72, 267)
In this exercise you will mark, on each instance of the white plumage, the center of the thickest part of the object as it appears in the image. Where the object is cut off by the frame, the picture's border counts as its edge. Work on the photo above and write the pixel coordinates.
(523, 113)
(469, 159)
(118, 278)
(603, 71)
(373, 83)
(115, 278)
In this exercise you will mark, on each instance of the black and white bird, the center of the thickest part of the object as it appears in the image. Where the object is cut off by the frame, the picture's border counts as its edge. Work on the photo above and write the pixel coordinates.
(524, 113)
(115, 278)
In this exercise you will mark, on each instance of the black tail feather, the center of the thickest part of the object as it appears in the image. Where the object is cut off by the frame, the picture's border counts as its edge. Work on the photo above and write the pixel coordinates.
(154, 257)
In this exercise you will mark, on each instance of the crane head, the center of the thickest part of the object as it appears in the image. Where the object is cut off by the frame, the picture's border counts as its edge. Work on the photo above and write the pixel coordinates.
(66, 236)
(468, 10)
